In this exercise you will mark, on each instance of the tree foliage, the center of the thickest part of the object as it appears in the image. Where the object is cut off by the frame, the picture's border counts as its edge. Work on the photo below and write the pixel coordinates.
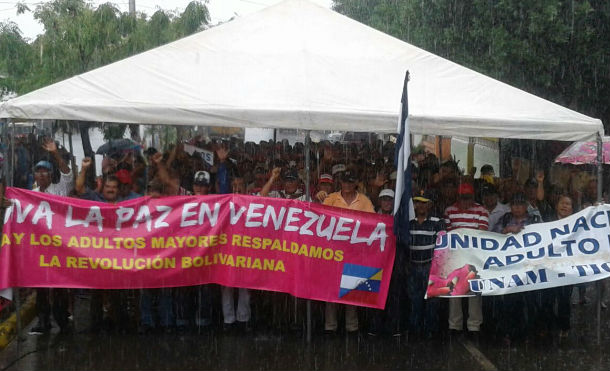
(556, 49)
(79, 37)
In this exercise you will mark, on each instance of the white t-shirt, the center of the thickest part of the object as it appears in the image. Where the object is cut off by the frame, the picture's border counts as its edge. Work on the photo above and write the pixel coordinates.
(62, 188)
(281, 194)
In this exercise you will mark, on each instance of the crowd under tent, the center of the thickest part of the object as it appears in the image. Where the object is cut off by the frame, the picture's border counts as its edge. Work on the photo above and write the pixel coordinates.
(298, 65)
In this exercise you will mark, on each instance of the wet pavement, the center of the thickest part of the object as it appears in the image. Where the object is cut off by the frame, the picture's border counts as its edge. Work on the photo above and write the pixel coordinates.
(280, 348)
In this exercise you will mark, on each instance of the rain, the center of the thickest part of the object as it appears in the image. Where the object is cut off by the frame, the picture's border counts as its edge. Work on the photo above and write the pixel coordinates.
(231, 192)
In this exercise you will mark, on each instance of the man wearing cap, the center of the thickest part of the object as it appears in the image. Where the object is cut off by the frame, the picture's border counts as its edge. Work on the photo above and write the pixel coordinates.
(125, 185)
(386, 202)
(388, 320)
(193, 303)
(423, 230)
(486, 178)
(201, 183)
(43, 175)
(337, 172)
(291, 185)
(348, 198)
(325, 187)
(466, 213)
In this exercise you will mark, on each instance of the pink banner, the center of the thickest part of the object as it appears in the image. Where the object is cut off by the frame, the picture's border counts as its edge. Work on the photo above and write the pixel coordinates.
(304, 249)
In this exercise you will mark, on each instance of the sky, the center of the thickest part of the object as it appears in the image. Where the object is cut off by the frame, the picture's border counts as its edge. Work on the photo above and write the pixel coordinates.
(220, 10)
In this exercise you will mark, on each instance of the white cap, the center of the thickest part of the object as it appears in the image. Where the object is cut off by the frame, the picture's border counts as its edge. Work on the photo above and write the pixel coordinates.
(337, 169)
(201, 178)
(386, 193)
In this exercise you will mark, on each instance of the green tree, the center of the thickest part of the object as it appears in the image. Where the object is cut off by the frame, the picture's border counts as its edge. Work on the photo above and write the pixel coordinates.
(552, 48)
(79, 37)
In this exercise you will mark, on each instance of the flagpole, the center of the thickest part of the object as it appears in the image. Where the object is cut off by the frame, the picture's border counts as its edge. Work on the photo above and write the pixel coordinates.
(402, 195)
(308, 199)
(598, 284)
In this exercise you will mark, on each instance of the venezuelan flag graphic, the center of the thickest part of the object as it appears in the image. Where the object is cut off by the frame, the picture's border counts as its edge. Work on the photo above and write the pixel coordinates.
(360, 283)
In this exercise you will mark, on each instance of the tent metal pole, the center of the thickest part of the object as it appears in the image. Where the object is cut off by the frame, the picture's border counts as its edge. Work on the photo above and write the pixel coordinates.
(11, 173)
(598, 284)
(72, 159)
(308, 198)
(11, 181)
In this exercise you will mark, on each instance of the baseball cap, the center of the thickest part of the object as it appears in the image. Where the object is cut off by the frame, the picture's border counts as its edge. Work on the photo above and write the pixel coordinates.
(291, 174)
(487, 169)
(45, 164)
(123, 176)
(488, 189)
(337, 169)
(201, 178)
(465, 189)
(326, 178)
(423, 196)
(349, 176)
(386, 193)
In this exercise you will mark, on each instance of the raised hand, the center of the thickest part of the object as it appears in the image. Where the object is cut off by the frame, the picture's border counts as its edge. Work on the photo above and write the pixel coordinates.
(86, 163)
(157, 158)
(321, 196)
(49, 145)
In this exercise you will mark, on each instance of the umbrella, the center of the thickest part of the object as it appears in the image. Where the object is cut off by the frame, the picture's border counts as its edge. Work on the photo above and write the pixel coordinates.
(117, 146)
(581, 153)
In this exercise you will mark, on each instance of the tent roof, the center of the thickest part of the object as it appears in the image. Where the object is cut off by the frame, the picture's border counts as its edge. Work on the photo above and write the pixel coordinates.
(300, 65)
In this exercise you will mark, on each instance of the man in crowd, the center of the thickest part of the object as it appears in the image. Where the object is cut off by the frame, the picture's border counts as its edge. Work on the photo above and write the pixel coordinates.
(193, 303)
(325, 187)
(514, 304)
(43, 175)
(423, 230)
(126, 185)
(466, 213)
(388, 320)
(348, 198)
(496, 210)
(109, 194)
(291, 188)
(260, 178)
(534, 192)
(386, 202)
(236, 317)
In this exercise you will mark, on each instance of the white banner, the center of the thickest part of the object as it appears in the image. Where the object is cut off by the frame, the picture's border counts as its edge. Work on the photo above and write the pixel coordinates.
(569, 251)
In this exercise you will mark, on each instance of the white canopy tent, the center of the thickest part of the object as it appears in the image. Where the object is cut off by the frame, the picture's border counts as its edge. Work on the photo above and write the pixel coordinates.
(300, 65)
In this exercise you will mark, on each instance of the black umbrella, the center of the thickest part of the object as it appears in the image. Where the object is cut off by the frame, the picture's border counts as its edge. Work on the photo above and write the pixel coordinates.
(117, 146)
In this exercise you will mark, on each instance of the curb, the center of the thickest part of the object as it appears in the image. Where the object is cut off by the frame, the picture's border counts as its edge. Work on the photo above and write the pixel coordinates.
(8, 328)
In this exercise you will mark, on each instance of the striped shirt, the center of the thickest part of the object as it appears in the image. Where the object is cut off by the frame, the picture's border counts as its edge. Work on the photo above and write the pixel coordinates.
(475, 217)
(423, 239)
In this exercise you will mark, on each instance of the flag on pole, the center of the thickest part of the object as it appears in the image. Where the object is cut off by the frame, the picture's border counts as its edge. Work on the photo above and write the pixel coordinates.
(403, 205)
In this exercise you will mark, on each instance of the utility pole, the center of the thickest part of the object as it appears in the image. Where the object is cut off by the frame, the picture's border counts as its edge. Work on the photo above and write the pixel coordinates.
(132, 7)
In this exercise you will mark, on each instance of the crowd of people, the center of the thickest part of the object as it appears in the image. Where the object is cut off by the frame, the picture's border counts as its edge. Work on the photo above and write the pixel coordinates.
(359, 176)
